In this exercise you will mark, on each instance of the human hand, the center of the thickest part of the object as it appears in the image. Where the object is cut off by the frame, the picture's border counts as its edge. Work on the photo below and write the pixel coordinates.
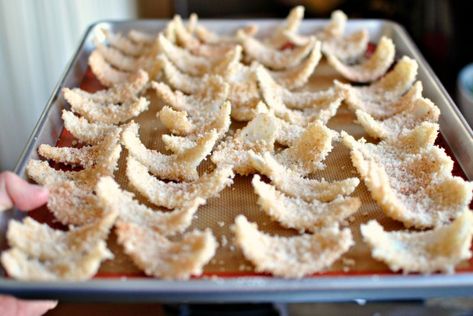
(15, 191)
(10, 306)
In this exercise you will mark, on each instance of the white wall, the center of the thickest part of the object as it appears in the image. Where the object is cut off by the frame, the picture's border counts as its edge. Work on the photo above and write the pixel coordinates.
(37, 38)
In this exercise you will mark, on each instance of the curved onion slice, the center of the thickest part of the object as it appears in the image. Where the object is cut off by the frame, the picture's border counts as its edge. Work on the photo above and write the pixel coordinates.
(271, 57)
(369, 69)
(410, 178)
(113, 63)
(209, 37)
(192, 64)
(346, 48)
(290, 25)
(277, 94)
(119, 93)
(201, 107)
(71, 198)
(85, 156)
(72, 204)
(323, 107)
(336, 27)
(175, 121)
(130, 211)
(383, 98)
(243, 92)
(179, 80)
(305, 155)
(196, 84)
(192, 22)
(178, 122)
(425, 252)
(118, 60)
(169, 32)
(197, 123)
(183, 36)
(178, 144)
(90, 133)
(109, 113)
(183, 59)
(244, 109)
(105, 164)
(41, 253)
(182, 166)
(160, 257)
(105, 73)
(125, 44)
(288, 133)
(293, 212)
(171, 194)
(421, 110)
(142, 38)
(185, 39)
(258, 135)
(115, 105)
(297, 76)
(291, 257)
(295, 185)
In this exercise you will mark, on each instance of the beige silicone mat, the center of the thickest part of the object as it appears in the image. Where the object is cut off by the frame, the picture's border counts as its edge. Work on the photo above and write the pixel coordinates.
(219, 213)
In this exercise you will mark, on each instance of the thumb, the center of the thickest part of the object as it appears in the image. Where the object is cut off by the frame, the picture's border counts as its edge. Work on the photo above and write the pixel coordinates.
(14, 191)
(12, 306)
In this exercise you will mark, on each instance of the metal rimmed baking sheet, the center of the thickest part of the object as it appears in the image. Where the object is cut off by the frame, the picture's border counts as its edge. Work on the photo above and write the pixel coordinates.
(123, 281)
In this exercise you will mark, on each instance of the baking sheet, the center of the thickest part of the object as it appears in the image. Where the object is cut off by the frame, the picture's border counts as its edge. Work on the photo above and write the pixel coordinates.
(235, 277)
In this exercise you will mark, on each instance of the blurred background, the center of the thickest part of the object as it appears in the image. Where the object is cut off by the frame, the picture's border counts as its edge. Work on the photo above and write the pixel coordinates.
(38, 37)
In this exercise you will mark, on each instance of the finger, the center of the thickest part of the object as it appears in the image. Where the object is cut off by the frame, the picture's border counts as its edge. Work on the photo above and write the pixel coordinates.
(35, 308)
(14, 191)
(12, 306)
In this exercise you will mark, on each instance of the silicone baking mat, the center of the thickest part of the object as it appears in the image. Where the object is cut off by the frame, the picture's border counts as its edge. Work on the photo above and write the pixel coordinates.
(219, 213)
